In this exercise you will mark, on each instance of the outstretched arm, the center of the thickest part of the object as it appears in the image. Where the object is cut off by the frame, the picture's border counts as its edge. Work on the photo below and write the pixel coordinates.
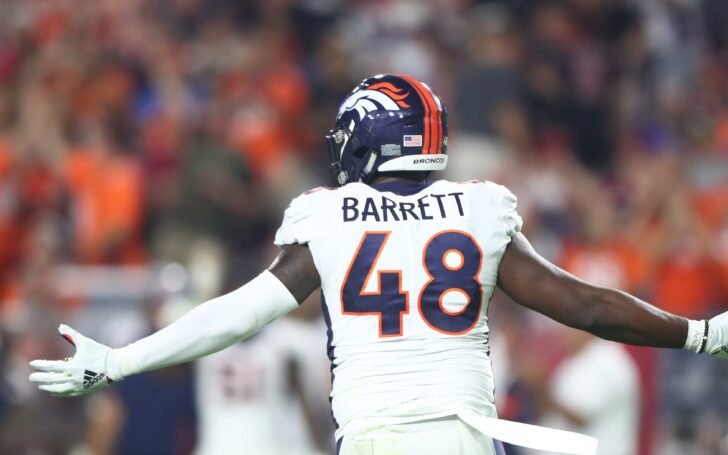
(208, 328)
(537, 284)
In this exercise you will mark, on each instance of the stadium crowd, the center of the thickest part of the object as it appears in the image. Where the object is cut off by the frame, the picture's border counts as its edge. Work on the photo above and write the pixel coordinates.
(148, 148)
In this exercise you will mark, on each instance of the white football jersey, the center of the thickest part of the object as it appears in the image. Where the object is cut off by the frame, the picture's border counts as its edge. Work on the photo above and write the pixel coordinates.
(244, 401)
(407, 271)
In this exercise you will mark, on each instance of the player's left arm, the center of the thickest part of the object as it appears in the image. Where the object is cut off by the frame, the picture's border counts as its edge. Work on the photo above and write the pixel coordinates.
(533, 282)
(208, 328)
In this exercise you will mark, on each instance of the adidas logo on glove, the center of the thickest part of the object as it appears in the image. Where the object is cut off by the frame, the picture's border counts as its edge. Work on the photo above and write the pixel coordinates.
(90, 378)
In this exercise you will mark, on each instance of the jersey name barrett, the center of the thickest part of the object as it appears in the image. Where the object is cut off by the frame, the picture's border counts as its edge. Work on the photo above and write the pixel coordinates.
(406, 277)
(384, 209)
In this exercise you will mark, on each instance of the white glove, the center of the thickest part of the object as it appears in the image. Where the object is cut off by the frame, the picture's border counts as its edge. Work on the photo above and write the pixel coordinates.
(92, 368)
(717, 343)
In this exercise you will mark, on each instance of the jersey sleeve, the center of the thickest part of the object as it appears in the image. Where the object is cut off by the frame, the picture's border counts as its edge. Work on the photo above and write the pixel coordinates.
(298, 222)
(509, 214)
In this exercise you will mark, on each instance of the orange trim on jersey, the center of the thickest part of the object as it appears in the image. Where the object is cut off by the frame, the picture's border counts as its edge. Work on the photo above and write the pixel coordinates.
(432, 278)
(433, 116)
(379, 285)
(462, 259)
(453, 313)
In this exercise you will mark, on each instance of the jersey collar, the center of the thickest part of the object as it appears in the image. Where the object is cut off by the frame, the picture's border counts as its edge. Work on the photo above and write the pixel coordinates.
(401, 188)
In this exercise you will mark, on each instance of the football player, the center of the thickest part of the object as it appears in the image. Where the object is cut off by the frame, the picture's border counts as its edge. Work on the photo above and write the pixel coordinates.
(246, 392)
(407, 267)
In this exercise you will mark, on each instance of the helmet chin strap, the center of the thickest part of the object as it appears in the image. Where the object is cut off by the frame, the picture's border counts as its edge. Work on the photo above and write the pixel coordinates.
(334, 140)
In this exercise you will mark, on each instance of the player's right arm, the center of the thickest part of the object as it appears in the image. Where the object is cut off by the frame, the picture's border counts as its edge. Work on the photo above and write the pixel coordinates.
(535, 283)
(208, 328)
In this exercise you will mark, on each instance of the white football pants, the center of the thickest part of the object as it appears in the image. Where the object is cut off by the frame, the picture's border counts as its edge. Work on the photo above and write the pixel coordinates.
(445, 436)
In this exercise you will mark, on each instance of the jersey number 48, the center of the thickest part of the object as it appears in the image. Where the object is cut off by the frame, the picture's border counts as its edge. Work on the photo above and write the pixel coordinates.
(390, 303)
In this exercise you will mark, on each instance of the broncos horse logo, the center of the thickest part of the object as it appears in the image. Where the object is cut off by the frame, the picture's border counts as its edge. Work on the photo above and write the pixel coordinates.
(382, 95)
(393, 92)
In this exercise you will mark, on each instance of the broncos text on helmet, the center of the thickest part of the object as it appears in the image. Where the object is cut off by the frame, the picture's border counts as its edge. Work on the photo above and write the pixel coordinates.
(389, 122)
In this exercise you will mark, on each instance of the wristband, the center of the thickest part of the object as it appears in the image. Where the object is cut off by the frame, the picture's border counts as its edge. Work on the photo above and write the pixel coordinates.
(697, 338)
(704, 341)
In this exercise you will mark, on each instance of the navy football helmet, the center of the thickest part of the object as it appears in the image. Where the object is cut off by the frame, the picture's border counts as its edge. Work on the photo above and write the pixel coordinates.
(388, 123)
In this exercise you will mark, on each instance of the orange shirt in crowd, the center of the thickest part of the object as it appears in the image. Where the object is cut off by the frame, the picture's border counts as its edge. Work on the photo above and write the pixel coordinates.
(687, 284)
(724, 271)
(6, 217)
(711, 205)
(612, 264)
(9, 231)
(106, 203)
(265, 137)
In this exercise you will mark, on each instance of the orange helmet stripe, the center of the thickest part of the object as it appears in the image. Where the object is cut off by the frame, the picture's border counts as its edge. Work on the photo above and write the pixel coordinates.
(426, 102)
(433, 116)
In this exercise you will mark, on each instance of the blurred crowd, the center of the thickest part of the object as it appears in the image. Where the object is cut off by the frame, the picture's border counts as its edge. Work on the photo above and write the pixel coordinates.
(148, 148)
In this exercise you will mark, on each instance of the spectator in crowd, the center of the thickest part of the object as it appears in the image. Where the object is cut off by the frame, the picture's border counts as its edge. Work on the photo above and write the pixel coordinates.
(594, 391)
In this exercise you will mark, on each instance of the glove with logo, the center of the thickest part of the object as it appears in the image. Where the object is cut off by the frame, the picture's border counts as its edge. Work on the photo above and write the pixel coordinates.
(709, 337)
(717, 341)
(92, 368)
